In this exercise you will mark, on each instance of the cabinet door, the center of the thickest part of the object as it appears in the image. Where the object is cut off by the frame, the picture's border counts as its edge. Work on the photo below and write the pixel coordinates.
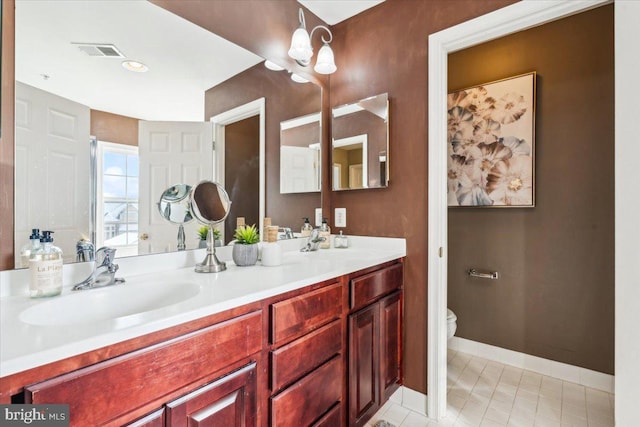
(227, 402)
(154, 419)
(364, 367)
(390, 344)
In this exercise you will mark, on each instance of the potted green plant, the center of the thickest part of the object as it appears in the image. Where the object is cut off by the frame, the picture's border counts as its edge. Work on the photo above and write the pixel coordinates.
(202, 236)
(245, 249)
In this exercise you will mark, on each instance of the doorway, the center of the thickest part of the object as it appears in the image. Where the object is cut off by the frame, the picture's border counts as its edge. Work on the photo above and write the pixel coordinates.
(232, 124)
(505, 21)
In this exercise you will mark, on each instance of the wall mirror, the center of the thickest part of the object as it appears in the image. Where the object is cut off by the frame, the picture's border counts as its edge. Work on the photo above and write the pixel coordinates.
(80, 71)
(360, 144)
(300, 154)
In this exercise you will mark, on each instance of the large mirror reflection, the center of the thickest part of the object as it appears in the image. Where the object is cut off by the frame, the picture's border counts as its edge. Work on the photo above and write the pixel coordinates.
(151, 119)
(360, 144)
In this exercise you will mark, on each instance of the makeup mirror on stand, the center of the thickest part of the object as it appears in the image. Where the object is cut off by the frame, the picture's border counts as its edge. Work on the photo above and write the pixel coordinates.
(175, 207)
(210, 205)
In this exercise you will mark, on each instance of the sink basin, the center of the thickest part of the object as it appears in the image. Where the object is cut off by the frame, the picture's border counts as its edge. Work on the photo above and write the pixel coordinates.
(108, 303)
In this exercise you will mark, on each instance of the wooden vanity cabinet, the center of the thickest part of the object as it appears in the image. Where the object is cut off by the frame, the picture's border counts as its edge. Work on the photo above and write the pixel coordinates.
(375, 341)
(124, 388)
(327, 355)
(306, 358)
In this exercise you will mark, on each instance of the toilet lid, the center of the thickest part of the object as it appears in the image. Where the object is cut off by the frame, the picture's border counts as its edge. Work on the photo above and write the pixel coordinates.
(451, 315)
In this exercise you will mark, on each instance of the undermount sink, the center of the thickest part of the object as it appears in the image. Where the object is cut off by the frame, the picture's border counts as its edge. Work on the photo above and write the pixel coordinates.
(108, 303)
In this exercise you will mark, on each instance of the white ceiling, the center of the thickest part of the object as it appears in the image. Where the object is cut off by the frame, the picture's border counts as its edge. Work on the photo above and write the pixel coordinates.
(334, 11)
(184, 59)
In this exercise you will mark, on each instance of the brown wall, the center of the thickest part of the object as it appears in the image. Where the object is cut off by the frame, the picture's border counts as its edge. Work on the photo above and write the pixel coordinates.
(555, 296)
(382, 50)
(285, 100)
(114, 128)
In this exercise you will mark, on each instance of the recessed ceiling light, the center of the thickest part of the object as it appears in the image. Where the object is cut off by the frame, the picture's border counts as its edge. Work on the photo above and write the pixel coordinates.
(272, 66)
(298, 79)
(135, 66)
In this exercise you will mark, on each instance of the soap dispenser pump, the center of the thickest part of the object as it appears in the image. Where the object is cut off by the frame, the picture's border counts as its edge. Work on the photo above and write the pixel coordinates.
(31, 247)
(325, 231)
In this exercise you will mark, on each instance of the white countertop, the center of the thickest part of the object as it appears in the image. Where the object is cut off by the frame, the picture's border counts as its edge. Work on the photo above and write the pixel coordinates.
(24, 345)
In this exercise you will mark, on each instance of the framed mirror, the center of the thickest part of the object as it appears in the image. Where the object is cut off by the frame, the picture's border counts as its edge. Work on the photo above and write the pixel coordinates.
(360, 144)
(76, 85)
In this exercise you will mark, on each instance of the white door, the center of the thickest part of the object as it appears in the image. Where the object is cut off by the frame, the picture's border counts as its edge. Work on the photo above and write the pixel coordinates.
(52, 169)
(170, 153)
(298, 169)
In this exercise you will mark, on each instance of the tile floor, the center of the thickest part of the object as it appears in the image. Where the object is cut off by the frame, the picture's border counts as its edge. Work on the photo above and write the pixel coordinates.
(486, 393)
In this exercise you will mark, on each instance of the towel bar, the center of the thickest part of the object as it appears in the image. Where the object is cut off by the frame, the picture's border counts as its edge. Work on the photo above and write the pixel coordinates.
(493, 275)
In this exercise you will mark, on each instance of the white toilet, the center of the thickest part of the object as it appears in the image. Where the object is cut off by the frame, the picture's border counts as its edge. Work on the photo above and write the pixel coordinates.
(451, 323)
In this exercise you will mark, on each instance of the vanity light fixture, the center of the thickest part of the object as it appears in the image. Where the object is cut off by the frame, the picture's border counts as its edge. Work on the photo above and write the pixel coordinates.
(272, 66)
(135, 66)
(302, 51)
(298, 78)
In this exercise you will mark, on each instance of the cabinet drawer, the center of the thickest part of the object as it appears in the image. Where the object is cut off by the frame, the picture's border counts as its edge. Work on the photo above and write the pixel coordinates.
(295, 359)
(368, 288)
(104, 391)
(331, 418)
(297, 316)
(308, 399)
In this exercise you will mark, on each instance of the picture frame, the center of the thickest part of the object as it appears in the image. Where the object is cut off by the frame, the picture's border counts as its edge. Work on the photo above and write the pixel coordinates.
(491, 144)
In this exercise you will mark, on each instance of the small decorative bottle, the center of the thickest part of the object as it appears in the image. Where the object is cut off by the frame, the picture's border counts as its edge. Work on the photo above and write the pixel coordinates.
(29, 248)
(325, 232)
(306, 228)
(341, 241)
(45, 265)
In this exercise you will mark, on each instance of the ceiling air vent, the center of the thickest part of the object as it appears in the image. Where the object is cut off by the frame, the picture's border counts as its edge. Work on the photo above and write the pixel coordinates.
(100, 50)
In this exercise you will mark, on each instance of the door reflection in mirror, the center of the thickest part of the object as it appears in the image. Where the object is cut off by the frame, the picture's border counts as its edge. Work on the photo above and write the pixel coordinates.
(360, 144)
(300, 154)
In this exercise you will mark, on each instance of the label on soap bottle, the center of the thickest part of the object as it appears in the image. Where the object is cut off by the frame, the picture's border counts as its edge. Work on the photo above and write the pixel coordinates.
(46, 277)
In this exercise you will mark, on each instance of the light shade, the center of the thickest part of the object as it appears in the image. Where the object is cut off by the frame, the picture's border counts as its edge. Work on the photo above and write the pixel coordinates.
(272, 66)
(300, 49)
(298, 79)
(325, 63)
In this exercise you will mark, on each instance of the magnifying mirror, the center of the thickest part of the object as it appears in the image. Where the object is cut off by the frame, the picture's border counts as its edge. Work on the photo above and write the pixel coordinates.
(210, 205)
(175, 207)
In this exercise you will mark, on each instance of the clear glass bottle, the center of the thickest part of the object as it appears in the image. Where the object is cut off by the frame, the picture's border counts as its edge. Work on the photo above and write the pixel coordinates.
(45, 265)
(29, 248)
(341, 241)
(306, 228)
(325, 231)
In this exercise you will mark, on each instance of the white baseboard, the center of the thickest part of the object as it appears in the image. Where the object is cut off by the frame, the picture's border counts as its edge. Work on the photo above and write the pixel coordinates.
(410, 399)
(563, 371)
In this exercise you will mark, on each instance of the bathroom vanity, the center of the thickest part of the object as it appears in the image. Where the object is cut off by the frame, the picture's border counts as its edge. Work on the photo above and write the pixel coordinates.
(316, 341)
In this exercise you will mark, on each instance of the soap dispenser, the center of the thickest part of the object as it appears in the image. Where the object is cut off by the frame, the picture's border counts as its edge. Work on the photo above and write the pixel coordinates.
(31, 247)
(45, 266)
(306, 228)
(325, 232)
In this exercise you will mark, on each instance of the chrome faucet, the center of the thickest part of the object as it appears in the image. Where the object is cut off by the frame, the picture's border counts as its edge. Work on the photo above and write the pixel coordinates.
(84, 251)
(288, 234)
(103, 273)
(313, 243)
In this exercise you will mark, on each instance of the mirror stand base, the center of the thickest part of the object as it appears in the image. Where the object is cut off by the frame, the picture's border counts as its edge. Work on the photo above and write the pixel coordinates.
(211, 264)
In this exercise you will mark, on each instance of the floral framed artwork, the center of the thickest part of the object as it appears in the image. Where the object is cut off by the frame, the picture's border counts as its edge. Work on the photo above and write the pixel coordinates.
(490, 137)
